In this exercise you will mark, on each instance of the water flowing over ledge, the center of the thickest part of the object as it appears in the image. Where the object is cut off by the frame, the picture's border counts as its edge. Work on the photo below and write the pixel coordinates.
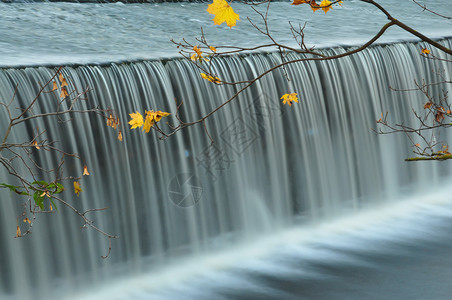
(38, 34)
(271, 166)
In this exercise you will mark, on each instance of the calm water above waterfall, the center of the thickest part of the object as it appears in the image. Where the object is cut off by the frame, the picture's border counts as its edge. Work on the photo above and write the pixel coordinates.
(288, 203)
(58, 33)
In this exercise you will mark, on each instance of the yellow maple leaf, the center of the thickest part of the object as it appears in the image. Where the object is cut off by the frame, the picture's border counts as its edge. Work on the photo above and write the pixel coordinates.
(158, 115)
(289, 98)
(425, 51)
(137, 120)
(325, 5)
(77, 188)
(149, 122)
(223, 13)
(211, 78)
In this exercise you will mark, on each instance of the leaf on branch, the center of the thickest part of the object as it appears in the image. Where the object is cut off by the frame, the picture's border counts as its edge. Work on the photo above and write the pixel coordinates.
(18, 233)
(77, 188)
(85, 170)
(120, 135)
(62, 80)
(425, 51)
(298, 2)
(197, 55)
(211, 78)
(439, 116)
(64, 93)
(223, 13)
(428, 105)
(289, 98)
(27, 220)
(153, 117)
(54, 87)
(35, 144)
(213, 49)
(137, 120)
(325, 5)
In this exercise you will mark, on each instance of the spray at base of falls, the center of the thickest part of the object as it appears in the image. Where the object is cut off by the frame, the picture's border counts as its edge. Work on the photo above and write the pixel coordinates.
(270, 166)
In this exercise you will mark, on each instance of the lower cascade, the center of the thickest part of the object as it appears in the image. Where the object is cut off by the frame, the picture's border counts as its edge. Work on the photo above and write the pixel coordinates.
(270, 167)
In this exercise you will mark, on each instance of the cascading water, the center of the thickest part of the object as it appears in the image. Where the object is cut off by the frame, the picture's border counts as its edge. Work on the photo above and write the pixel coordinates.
(270, 167)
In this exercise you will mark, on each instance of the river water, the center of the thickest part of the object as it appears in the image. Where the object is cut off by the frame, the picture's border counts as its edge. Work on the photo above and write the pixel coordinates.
(305, 203)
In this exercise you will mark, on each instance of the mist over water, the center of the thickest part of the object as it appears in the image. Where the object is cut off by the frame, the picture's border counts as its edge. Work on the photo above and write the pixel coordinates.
(300, 202)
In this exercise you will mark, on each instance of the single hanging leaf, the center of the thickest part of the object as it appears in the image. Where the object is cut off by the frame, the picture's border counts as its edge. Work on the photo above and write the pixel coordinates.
(428, 105)
(120, 135)
(223, 13)
(298, 2)
(85, 170)
(77, 188)
(54, 87)
(18, 233)
(289, 98)
(137, 120)
(27, 220)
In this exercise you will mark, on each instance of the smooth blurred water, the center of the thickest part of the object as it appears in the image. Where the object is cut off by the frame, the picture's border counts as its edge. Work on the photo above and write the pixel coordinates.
(71, 33)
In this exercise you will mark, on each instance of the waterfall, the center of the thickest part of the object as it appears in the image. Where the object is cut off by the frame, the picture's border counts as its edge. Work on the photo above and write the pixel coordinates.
(270, 167)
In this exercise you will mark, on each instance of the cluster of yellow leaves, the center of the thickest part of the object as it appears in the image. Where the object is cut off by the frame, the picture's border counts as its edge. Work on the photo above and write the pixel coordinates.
(152, 117)
(63, 84)
(325, 5)
(211, 78)
(289, 98)
(197, 55)
(114, 123)
(223, 13)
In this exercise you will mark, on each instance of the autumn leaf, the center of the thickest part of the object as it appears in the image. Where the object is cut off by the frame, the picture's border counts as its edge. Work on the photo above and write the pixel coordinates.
(325, 5)
(158, 115)
(137, 120)
(64, 93)
(428, 105)
(54, 87)
(27, 220)
(213, 49)
(120, 135)
(197, 55)
(425, 51)
(211, 78)
(149, 122)
(50, 206)
(35, 143)
(418, 145)
(18, 233)
(77, 188)
(439, 116)
(110, 120)
(298, 2)
(85, 170)
(223, 13)
(289, 98)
